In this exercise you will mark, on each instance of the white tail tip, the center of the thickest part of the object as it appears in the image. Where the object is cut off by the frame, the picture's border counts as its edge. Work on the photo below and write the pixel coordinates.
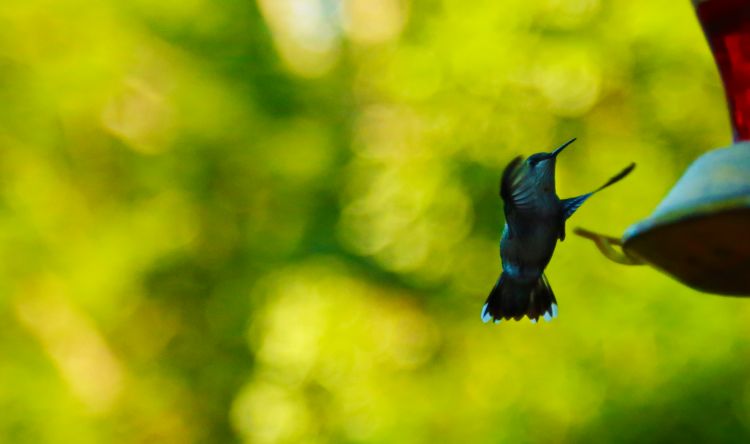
(486, 316)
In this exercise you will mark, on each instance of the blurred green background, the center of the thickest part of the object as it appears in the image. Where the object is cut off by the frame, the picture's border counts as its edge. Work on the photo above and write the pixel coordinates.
(275, 221)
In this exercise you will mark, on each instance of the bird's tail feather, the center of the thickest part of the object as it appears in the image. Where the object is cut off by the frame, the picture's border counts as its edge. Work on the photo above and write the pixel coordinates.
(512, 300)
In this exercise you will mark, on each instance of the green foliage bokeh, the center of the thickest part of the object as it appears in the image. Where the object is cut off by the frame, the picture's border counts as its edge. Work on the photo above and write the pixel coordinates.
(275, 221)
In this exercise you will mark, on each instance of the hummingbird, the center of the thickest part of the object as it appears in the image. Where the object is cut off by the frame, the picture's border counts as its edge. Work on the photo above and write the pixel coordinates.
(534, 222)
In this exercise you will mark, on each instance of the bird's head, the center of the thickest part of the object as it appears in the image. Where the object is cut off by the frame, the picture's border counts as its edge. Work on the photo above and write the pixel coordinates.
(541, 166)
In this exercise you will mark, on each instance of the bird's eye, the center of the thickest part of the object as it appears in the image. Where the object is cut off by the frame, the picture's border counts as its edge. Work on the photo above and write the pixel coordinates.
(533, 162)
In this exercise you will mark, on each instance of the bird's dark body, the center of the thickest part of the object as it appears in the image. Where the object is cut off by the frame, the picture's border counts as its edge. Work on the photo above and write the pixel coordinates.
(534, 222)
(526, 254)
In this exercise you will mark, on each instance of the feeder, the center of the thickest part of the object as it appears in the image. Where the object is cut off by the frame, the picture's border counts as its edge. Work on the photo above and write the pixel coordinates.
(700, 232)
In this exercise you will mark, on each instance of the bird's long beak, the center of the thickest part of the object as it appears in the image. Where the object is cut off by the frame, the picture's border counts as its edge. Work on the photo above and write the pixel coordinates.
(554, 154)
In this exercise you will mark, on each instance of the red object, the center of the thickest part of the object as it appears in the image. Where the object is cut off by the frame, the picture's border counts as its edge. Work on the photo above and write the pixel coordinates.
(726, 24)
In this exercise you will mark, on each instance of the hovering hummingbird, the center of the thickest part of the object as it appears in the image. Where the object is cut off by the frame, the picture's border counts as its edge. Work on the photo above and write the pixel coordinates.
(534, 221)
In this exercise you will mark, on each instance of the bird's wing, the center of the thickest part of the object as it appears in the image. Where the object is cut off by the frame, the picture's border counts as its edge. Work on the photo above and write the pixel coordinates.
(507, 179)
(517, 194)
(618, 177)
(570, 205)
(510, 192)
